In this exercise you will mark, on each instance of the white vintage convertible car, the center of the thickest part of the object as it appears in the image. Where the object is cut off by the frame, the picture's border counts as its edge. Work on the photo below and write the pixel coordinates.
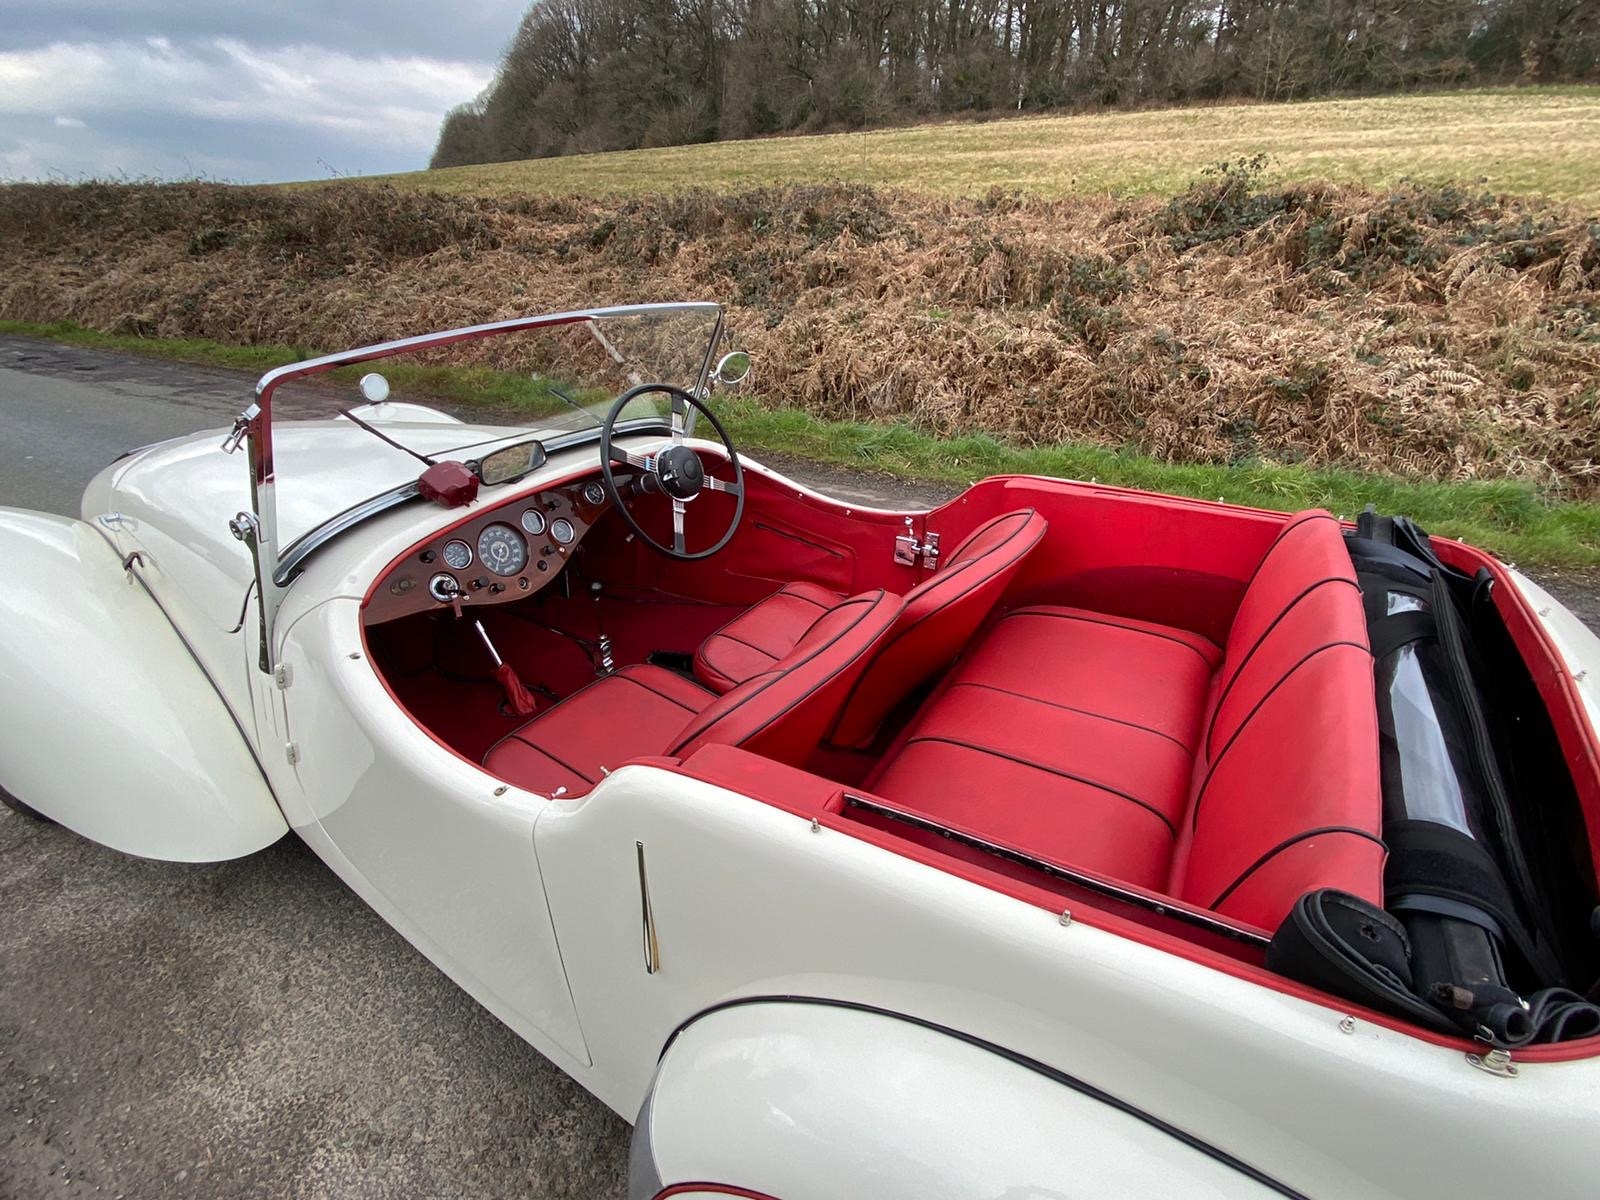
(1063, 840)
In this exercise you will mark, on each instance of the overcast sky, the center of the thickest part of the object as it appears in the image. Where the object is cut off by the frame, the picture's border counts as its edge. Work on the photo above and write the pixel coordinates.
(239, 90)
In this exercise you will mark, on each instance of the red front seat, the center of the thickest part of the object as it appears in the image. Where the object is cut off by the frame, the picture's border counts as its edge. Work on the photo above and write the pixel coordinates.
(940, 614)
(644, 710)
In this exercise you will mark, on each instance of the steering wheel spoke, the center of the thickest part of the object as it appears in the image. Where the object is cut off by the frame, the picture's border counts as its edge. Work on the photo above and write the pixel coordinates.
(677, 527)
(645, 462)
(713, 484)
(680, 420)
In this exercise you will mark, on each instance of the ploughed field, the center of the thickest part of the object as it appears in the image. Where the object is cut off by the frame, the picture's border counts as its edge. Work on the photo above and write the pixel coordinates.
(1541, 141)
(1442, 333)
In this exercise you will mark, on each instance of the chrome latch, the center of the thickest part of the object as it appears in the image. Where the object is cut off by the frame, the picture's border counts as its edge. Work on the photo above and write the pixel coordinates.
(241, 426)
(246, 528)
(907, 549)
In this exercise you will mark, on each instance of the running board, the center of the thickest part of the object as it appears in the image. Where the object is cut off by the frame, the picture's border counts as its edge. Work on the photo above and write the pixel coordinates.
(1103, 887)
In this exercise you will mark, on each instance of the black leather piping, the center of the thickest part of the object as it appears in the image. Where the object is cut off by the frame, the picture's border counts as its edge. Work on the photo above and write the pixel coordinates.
(1037, 766)
(1233, 678)
(676, 703)
(989, 687)
(1211, 770)
(1055, 1074)
(1089, 620)
(1287, 844)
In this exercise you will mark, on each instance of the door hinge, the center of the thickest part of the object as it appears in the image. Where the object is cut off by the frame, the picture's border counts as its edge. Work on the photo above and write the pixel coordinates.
(282, 676)
(291, 751)
(907, 549)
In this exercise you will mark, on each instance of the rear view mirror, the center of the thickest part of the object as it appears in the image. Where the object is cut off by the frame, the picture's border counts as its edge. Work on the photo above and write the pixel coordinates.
(510, 463)
(733, 367)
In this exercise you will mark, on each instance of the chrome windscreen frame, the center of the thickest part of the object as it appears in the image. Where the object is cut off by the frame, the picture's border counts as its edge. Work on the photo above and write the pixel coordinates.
(278, 565)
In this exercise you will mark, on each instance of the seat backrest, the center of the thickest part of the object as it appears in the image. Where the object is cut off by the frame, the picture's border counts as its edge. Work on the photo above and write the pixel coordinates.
(1289, 797)
(939, 616)
(782, 712)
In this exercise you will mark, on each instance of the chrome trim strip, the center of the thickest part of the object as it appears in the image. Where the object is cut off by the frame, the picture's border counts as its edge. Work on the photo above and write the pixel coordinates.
(1103, 887)
(652, 948)
(445, 337)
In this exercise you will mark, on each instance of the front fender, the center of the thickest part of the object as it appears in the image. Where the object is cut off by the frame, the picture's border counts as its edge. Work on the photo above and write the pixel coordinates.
(810, 1100)
(107, 724)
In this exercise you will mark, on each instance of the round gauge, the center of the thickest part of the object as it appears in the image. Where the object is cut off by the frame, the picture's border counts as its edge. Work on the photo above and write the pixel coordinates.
(533, 521)
(457, 555)
(561, 529)
(502, 549)
(594, 493)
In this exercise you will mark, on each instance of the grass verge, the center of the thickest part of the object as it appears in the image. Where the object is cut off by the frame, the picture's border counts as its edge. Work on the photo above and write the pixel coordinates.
(1512, 519)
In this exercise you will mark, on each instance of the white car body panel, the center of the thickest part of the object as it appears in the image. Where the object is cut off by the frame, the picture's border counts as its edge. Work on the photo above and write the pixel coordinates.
(111, 727)
(748, 901)
(803, 1097)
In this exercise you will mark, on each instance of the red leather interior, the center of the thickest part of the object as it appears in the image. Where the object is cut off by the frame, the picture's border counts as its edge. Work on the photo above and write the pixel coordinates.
(783, 712)
(758, 637)
(635, 712)
(646, 710)
(1235, 780)
(939, 616)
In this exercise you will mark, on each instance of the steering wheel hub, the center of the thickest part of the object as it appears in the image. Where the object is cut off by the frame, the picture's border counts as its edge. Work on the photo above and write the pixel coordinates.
(680, 472)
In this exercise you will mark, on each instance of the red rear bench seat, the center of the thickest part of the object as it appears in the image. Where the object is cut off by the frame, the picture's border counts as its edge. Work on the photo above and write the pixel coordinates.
(1235, 779)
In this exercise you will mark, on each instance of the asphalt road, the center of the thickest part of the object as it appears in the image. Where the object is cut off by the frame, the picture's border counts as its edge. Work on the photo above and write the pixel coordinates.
(251, 1029)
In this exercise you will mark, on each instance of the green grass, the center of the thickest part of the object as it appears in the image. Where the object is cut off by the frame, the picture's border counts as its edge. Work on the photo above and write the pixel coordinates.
(1528, 141)
(1511, 519)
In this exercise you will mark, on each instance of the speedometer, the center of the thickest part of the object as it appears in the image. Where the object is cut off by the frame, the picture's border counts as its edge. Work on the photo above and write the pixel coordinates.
(502, 550)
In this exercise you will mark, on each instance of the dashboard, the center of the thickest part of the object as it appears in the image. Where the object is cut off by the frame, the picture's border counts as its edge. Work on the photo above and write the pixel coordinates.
(500, 555)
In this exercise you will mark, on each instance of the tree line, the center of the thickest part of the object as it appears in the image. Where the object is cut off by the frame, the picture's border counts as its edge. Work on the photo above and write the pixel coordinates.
(589, 75)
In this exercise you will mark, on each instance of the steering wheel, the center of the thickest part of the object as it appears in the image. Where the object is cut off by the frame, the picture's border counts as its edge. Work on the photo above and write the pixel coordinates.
(673, 470)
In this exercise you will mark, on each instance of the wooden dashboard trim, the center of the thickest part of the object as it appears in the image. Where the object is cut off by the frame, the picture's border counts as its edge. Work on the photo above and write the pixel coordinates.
(401, 590)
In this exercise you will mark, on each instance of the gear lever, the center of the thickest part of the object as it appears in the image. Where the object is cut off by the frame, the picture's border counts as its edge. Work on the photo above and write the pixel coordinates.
(518, 698)
(607, 664)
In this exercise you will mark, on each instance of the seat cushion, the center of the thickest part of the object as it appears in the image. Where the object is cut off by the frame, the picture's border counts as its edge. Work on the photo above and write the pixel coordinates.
(637, 712)
(1138, 673)
(1065, 733)
(758, 637)
(1064, 783)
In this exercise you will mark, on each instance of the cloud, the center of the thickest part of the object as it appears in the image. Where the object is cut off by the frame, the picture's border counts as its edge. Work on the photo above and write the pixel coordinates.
(164, 107)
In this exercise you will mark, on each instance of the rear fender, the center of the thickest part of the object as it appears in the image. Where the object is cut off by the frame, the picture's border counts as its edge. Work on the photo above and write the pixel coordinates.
(108, 725)
(820, 1099)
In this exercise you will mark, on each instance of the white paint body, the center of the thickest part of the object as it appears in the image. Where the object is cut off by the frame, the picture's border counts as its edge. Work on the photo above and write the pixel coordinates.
(533, 906)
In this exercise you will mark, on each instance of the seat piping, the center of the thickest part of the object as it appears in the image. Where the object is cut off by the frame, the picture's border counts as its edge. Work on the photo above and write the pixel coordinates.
(1286, 844)
(1211, 769)
(1038, 766)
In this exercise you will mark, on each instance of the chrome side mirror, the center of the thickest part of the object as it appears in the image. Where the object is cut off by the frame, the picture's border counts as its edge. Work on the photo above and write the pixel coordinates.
(374, 388)
(733, 367)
